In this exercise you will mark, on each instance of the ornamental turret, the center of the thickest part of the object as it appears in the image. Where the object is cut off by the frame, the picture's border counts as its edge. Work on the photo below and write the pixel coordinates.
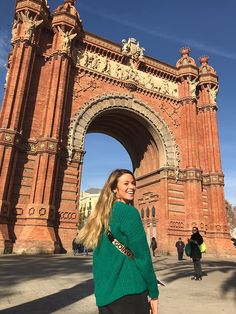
(67, 25)
(188, 74)
(29, 16)
(208, 82)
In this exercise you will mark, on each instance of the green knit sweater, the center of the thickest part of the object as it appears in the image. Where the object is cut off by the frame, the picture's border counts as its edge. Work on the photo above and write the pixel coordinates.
(115, 275)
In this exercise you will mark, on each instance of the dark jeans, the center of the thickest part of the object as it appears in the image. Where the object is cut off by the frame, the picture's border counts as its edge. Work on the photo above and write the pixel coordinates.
(180, 255)
(129, 304)
(197, 267)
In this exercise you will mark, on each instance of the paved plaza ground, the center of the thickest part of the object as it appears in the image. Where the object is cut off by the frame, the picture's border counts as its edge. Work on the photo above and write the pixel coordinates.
(63, 284)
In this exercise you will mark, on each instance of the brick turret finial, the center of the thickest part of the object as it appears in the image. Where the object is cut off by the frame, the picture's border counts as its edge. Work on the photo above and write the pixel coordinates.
(185, 51)
(205, 68)
(185, 59)
(203, 59)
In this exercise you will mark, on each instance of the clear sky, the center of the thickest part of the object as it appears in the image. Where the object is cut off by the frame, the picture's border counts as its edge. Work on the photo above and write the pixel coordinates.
(161, 27)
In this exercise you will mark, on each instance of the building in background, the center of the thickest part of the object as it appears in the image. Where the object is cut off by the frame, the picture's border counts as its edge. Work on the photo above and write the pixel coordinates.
(87, 203)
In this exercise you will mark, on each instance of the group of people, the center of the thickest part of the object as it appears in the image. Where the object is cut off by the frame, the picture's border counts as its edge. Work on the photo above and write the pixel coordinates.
(194, 251)
(124, 277)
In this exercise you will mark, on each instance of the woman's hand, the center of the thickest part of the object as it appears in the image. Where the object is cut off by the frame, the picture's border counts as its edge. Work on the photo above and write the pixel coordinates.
(154, 306)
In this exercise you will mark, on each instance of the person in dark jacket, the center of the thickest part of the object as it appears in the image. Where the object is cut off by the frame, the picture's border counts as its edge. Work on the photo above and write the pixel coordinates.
(196, 255)
(75, 247)
(180, 248)
(153, 246)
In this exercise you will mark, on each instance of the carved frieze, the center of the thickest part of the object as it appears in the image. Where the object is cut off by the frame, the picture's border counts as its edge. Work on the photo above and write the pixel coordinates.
(174, 224)
(213, 179)
(124, 72)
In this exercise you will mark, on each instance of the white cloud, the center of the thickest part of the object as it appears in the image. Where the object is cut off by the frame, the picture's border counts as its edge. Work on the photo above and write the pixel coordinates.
(4, 47)
(157, 33)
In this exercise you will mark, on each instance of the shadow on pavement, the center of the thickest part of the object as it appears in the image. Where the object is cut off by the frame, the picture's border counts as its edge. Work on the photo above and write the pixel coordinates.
(54, 302)
(177, 270)
(18, 268)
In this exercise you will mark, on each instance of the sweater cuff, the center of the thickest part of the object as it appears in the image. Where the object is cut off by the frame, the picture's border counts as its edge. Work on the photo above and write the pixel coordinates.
(153, 292)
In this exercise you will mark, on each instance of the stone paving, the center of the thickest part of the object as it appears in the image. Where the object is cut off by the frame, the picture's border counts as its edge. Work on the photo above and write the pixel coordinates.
(63, 284)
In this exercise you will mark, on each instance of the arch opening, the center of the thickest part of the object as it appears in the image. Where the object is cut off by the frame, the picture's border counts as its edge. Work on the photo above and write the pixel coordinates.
(134, 124)
(130, 130)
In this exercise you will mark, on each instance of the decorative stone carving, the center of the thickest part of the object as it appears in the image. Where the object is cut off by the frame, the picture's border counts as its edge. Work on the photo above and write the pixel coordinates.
(176, 224)
(213, 91)
(14, 29)
(125, 73)
(8, 138)
(192, 86)
(30, 24)
(132, 49)
(106, 68)
(42, 212)
(65, 39)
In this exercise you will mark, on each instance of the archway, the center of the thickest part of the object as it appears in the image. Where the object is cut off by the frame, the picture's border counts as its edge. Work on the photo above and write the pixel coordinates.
(146, 138)
(124, 118)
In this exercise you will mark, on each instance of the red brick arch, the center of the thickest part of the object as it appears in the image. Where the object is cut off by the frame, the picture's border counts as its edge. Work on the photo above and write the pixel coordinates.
(162, 136)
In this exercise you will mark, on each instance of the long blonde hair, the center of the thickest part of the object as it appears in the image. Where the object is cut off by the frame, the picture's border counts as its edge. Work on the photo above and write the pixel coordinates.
(99, 219)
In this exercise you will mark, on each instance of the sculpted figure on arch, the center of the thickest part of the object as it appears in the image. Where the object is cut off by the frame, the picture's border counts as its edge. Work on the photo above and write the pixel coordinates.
(30, 24)
(66, 38)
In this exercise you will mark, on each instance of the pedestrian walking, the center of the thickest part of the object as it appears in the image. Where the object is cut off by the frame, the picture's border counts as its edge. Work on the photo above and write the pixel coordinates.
(180, 248)
(153, 246)
(75, 247)
(196, 255)
(123, 272)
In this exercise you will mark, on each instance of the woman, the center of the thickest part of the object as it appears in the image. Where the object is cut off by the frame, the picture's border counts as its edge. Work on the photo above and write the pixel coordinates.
(122, 283)
(196, 255)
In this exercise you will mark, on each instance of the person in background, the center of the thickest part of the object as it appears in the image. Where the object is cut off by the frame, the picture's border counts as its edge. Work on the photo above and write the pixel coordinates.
(122, 266)
(153, 246)
(196, 255)
(180, 248)
(75, 247)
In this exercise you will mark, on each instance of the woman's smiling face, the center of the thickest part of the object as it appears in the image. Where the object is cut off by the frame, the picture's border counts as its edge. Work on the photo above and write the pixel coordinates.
(125, 189)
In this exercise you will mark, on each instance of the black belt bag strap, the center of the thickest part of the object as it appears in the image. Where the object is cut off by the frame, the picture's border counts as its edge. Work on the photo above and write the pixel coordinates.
(123, 249)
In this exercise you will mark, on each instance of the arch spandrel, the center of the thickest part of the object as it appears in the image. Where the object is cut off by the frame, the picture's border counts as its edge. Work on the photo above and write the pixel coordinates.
(169, 154)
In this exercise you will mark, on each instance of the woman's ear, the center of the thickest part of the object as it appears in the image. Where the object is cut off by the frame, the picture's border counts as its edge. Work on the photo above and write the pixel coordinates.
(114, 191)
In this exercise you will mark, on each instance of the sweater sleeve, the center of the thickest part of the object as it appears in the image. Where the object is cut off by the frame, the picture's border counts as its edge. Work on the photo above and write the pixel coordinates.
(131, 225)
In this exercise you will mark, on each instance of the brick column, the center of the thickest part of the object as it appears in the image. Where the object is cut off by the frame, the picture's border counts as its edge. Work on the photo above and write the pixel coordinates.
(189, 161)
(42, 220)
(213, 178)
(25, 38)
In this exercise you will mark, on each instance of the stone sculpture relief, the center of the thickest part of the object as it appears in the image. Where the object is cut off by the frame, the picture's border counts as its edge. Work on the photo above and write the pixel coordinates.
(66, 38)
(132, 49)
(192, 86)
(30, 24)
(123, 72)
(14, 29)
(213, 91)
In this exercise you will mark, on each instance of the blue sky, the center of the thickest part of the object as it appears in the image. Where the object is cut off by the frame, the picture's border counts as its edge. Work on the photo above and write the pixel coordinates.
(161, 27)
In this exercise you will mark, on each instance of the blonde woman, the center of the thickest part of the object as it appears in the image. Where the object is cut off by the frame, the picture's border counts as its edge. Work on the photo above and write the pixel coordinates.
(122, 281)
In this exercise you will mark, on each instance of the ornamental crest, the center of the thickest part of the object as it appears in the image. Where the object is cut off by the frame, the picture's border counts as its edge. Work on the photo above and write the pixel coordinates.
(132, 49)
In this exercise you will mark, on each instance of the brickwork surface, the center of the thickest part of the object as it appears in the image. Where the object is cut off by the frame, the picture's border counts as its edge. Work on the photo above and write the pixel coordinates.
(63, 83)
(63, 284)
